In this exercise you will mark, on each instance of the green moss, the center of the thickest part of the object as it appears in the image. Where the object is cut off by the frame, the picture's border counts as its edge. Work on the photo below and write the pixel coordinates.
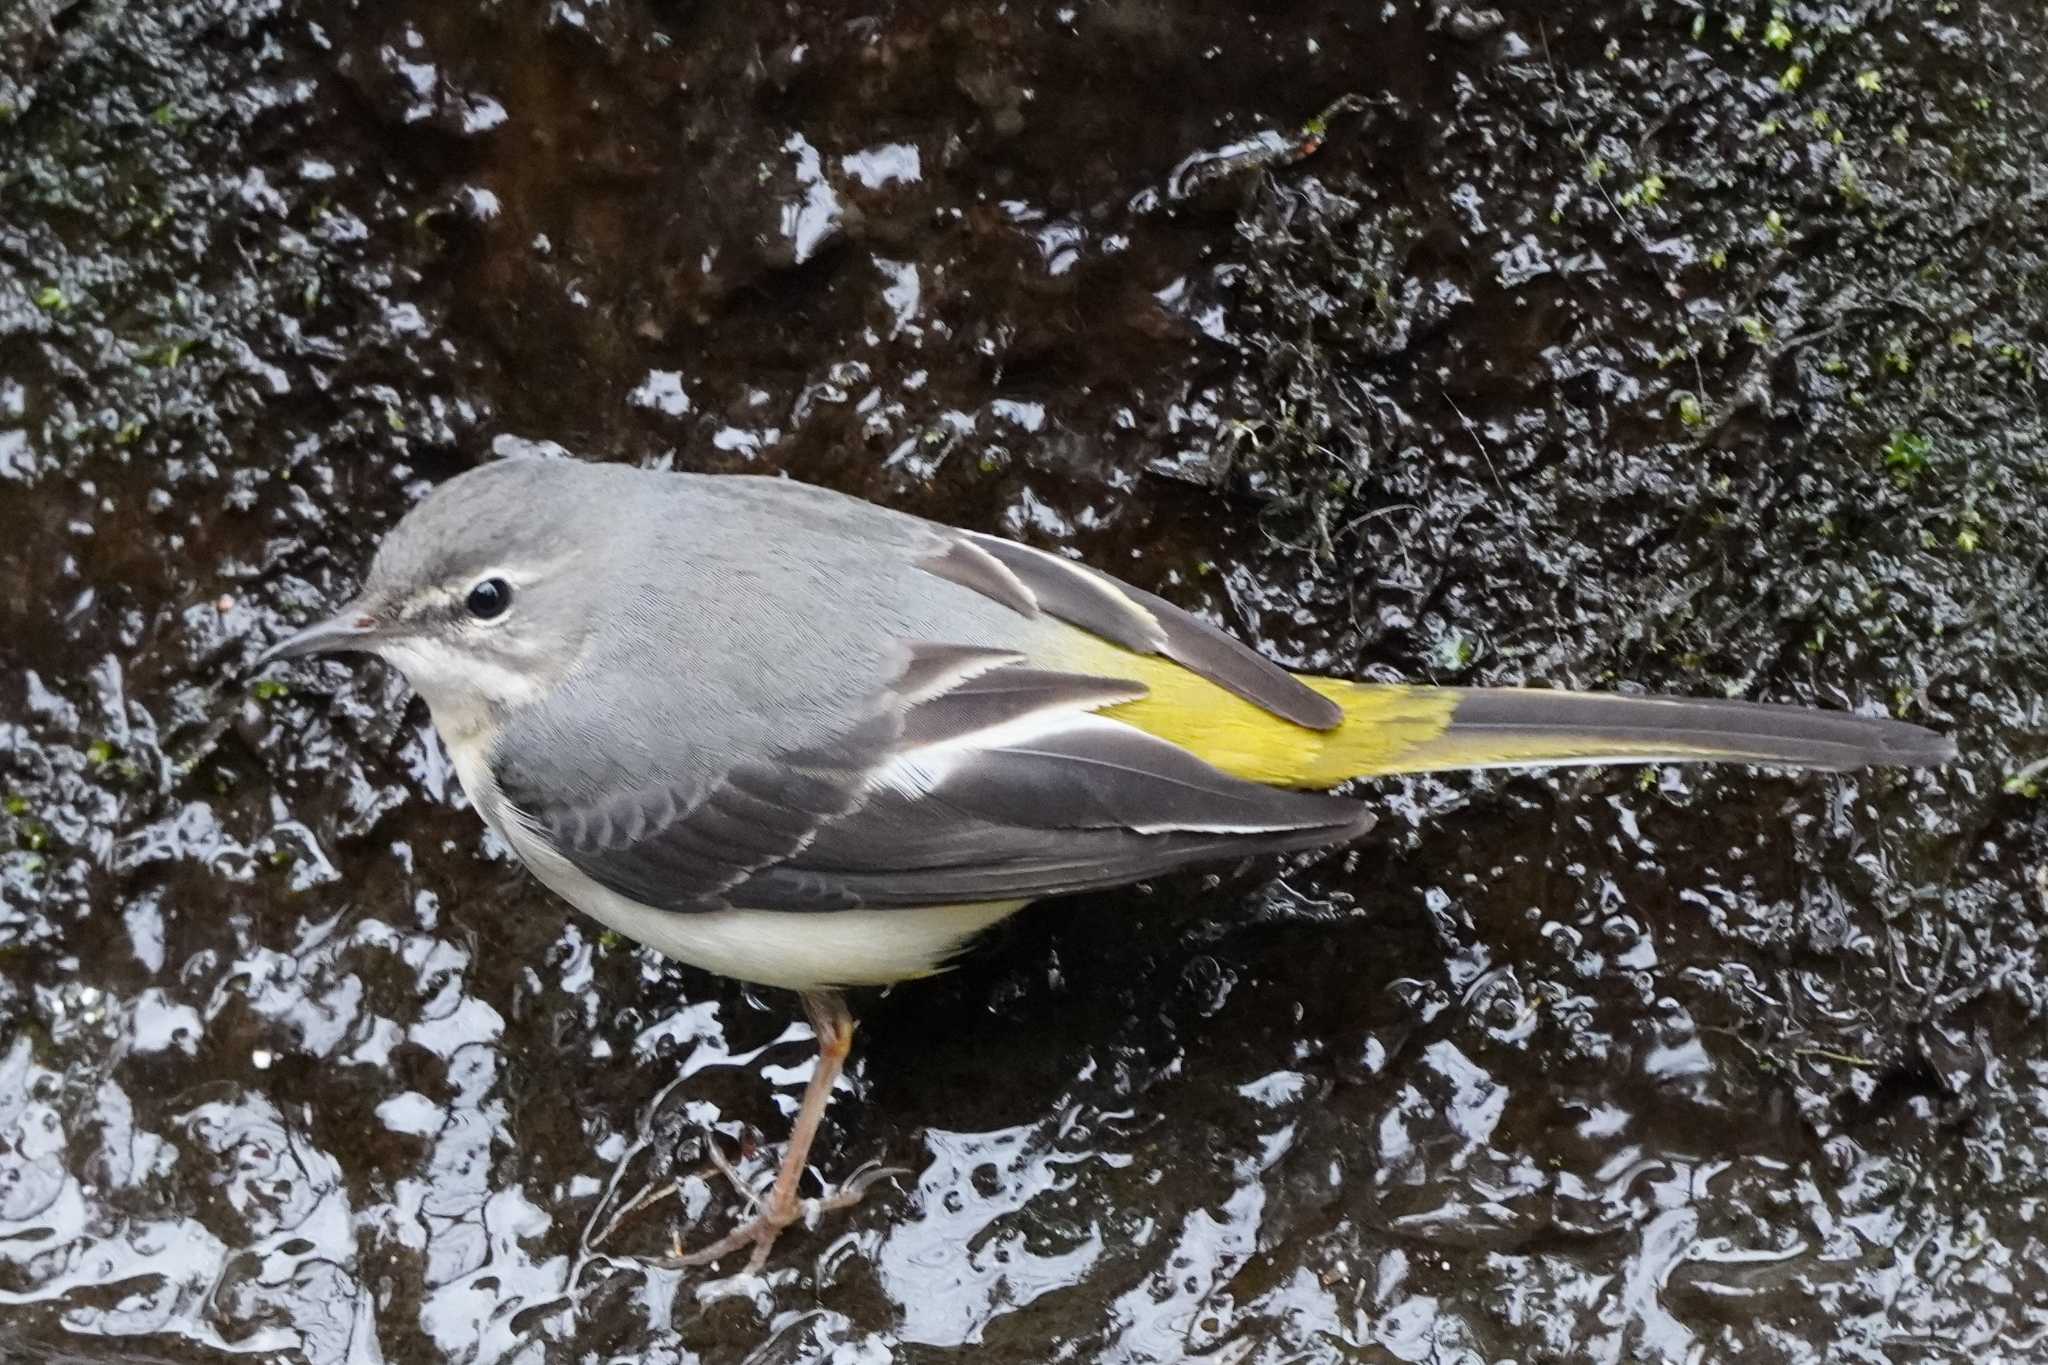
(1905, 454)
(270, 689)
(1847, 183)
(1777, 33)
(1455, 652)
(1646, 192)
(51, 300)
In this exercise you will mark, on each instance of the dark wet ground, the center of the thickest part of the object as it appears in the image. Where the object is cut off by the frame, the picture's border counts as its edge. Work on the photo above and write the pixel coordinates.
(1698, 348)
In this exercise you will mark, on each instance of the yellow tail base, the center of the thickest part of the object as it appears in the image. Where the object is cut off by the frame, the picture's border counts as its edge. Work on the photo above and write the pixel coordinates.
(1391, 729)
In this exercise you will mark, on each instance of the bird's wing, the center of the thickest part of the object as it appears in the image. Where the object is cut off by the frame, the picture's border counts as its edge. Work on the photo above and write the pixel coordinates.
(1032, 581)
(971, 776)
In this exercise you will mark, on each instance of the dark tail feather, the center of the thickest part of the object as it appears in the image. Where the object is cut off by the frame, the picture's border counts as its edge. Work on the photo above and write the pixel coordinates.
(1512, 727)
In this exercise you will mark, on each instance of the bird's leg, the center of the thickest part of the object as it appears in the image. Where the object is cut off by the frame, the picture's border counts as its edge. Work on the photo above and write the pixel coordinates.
(834, 1026)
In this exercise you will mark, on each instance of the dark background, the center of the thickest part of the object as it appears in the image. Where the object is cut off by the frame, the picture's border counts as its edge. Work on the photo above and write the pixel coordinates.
(1647, 343)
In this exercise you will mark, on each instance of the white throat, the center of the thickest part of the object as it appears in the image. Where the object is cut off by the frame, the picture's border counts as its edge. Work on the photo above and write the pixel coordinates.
(467, 694)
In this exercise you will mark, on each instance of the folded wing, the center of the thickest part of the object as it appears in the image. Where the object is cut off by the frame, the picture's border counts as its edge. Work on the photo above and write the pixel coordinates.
(972, 777)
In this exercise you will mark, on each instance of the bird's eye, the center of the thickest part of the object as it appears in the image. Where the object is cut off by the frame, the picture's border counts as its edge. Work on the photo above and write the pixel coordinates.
(489, 598)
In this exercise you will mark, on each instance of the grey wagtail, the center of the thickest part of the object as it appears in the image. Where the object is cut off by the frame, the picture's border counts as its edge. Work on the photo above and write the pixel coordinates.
(792, 737)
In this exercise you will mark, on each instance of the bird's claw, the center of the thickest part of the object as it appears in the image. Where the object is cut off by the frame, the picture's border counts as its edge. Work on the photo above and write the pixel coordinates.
(852, 1189)
(761, 1230)
(770, 1219)
(719, 1159)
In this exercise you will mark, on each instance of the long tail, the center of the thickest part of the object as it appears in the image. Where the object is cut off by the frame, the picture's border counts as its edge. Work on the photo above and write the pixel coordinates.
(1410, 729)
(1394, 729)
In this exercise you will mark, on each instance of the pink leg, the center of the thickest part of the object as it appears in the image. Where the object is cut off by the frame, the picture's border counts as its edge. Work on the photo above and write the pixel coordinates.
(834, 1025)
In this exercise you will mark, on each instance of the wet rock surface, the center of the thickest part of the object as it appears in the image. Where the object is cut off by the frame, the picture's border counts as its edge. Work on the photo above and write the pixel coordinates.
(1696, 349)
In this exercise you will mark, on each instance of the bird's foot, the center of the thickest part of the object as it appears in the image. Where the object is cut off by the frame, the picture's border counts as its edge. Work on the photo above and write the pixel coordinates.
(719, 1159)
(774, 1215)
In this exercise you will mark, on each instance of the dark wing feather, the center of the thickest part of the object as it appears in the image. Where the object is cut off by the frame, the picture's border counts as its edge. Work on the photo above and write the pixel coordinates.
(965, 563)
(1097, 774)
(939, 796)
(1006, 694)
(1138, 620)
(1077, 594)
(661, 846)
(1022, 867)
(1075, 810)
(1231, 664)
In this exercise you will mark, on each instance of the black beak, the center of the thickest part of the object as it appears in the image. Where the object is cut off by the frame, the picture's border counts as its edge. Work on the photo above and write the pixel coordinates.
(350, 628)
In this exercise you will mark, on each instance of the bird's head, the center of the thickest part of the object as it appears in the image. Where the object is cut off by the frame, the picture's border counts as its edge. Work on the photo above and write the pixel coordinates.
(478, 594)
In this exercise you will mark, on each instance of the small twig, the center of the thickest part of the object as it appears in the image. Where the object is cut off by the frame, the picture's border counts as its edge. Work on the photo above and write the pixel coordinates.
(641, 1143)
(648, 1196)
(1564, 107)
(1477, 439)
(1352, 525)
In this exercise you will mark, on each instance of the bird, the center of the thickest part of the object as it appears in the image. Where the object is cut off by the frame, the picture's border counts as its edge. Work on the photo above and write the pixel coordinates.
(804, 740)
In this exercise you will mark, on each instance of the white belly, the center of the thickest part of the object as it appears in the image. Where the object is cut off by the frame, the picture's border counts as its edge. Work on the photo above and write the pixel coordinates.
(801, 951)
(806, 951)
